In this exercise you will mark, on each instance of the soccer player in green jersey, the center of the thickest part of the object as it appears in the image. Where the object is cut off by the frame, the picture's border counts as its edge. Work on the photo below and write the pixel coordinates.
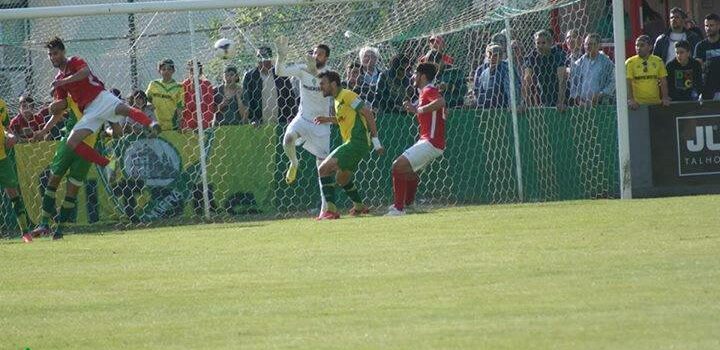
(65, 161)
(8, 176)
(359, 135)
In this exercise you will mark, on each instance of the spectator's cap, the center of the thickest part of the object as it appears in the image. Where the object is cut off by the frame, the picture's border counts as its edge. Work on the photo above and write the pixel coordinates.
(494, 48)
(438, 40)
(166, 62)
(264, 53)
(232, 69)
(499, 38)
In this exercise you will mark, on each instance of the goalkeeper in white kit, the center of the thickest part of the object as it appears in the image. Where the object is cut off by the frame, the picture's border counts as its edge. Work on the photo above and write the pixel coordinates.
(314, 138)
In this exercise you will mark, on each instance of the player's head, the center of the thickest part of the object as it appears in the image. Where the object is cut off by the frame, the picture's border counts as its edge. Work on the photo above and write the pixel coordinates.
(56, 51)
(543, 40)
(643, 46)
(329, 83)
(424, 74)
(592, 44)
(321, 53)
(27, 106)
(166, 68)
(682, 50)
(712, 25)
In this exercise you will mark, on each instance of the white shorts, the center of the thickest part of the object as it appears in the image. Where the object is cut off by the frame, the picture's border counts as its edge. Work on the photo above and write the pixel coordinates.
(313, 137)
(421, 154)
(99, 111)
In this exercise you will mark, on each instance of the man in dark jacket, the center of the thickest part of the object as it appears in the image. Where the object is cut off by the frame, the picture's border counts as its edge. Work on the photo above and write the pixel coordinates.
(269, 98)
(665, 43)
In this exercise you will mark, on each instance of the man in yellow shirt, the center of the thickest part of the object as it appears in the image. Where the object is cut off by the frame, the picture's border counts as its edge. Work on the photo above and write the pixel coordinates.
(166, 96)
(359, 135)
(644, 73)
(8, 175)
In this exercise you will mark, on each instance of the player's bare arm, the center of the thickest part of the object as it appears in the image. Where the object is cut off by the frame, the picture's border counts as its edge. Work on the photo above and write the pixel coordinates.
(432, 106)
(79, 75)
(367, 113)
(325, 120)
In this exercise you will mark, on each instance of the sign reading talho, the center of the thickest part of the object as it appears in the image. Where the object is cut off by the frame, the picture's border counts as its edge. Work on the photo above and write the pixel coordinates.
(698, 143)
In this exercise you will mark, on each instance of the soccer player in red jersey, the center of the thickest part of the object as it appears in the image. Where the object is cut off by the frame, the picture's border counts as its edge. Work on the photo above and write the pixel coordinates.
(97, 104)
(431, 115)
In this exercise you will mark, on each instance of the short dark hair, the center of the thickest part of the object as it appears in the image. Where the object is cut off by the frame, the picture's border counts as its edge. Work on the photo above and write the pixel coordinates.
(27, 98)
(429, 70)
(325, 48)
(679, 11)
(166, 62)
(712, 17)
(332, 76)
(139, 93)
(644, 38)
(55, 43)
(683, 44)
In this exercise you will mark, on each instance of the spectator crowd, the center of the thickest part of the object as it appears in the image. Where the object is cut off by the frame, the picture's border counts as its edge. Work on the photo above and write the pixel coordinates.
(681, 64)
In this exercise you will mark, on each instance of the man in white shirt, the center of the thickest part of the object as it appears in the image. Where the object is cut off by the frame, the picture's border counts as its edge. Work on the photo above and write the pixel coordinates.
(303, 130)
(665, 43)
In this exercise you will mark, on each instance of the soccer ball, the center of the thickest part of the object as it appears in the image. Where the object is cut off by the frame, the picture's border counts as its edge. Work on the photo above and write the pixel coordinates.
(224, 49)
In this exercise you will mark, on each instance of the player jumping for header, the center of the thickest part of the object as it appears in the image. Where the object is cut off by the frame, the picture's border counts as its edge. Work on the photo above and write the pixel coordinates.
(98, 105)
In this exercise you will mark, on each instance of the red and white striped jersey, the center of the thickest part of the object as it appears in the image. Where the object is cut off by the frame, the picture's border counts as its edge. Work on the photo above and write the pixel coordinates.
(432, 124)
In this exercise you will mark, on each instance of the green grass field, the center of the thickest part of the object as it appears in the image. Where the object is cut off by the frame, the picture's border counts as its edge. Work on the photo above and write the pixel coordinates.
(639, 274)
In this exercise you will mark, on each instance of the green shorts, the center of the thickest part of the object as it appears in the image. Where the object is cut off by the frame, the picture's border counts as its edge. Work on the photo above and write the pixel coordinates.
(8, 176)
(65, 159)
(349, 155)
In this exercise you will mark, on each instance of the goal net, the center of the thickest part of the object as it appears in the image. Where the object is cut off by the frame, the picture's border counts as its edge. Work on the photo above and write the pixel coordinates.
(220, 155)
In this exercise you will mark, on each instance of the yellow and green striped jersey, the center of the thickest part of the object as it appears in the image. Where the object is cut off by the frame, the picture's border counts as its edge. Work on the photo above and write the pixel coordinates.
(166, 98)
(353, 127)
(4, 122)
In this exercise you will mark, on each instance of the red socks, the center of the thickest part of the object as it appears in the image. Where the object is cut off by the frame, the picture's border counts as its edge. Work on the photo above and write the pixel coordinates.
(412, 185)
(90, 154)
(140, 117)
(399, 190)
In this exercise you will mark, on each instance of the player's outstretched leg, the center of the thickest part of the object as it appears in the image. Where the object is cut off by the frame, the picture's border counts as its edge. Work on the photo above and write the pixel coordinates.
(138, 116)
(289, 147)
